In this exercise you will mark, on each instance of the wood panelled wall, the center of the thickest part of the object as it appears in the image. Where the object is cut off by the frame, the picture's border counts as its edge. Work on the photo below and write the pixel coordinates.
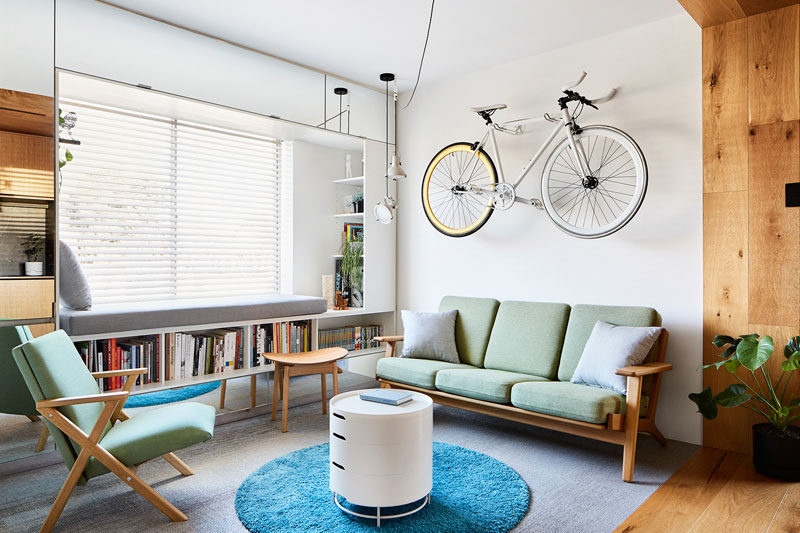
(751, 149)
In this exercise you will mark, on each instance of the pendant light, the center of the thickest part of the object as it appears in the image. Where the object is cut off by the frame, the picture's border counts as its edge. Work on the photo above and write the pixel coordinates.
(384, 210)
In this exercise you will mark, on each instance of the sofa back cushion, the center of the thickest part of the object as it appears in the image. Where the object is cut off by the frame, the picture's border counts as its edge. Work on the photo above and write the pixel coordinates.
(527, 337)
(581, 323)
(473, 325)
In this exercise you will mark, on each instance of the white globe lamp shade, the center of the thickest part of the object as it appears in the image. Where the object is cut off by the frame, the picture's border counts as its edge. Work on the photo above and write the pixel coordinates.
(384, 211)
(395, 171)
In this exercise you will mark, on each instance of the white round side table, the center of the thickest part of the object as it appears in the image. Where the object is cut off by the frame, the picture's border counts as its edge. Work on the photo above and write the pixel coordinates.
(381, 455)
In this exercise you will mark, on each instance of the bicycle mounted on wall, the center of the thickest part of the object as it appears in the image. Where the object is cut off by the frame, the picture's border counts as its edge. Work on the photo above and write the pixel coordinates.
(593, 181)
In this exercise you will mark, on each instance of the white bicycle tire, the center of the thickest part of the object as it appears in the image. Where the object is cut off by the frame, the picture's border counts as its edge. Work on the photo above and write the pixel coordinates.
(550, 178)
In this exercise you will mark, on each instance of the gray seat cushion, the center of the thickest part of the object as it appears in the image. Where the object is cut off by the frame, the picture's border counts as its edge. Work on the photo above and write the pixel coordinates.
(176, 313)
(73, 287)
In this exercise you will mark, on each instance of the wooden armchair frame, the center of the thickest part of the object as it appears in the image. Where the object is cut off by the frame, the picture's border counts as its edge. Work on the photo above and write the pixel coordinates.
(619, 429)
(112, 411)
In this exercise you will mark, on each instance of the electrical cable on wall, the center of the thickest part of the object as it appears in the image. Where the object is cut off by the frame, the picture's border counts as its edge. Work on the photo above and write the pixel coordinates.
(422, 59)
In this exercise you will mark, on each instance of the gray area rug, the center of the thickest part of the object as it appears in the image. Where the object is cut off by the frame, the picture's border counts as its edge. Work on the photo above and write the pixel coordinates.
(575, 483)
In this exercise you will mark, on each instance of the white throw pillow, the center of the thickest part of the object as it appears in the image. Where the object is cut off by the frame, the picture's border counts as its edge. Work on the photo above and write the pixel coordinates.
(73, 287)
(610, 348)
(430, 335)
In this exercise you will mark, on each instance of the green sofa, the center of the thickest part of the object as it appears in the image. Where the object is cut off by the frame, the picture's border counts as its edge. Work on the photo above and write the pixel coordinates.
(516, 362)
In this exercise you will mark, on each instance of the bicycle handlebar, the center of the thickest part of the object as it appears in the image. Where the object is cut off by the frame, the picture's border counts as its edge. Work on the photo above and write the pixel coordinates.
(576, 83)
(605, 98)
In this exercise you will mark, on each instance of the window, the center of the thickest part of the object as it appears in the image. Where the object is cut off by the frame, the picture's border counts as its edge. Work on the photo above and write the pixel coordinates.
(157, 208)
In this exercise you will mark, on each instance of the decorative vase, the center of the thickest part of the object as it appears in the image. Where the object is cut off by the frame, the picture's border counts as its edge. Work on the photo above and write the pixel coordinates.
(34, 268)
(776, 455)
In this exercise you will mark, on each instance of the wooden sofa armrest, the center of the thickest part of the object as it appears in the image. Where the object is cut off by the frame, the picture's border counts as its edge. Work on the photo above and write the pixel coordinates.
(644, 370)
(389, 338)
(118, 373)
(390, 341)
(90, 398)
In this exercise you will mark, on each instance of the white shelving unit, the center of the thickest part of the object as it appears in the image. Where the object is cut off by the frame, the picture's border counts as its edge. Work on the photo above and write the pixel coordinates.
(351, 181)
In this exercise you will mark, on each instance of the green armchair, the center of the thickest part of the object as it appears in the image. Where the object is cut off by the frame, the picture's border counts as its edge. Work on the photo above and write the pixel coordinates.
(14, 396)
(92, 433)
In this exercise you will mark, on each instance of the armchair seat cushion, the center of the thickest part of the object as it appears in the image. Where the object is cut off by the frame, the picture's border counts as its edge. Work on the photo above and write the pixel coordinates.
(482, 383)
(568, 400)
(154, 433)
(416, 372)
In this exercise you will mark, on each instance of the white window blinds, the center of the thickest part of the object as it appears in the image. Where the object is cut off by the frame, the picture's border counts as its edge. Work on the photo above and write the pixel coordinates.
(156, 208)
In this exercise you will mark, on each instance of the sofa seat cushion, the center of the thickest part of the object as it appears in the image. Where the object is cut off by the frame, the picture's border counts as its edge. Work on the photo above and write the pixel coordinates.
(568, 400)
(482, 383)
(417, 372)
(527, 338)
(154, 433)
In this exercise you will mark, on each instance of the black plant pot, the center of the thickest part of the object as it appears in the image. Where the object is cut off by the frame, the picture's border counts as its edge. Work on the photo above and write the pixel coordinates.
(776, 455)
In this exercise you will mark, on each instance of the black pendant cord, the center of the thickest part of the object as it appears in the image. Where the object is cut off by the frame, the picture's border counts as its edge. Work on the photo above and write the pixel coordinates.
(422, 59)
(387, 139)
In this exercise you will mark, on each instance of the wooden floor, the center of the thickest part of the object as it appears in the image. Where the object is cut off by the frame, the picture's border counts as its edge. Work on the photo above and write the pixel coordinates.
(719, 491)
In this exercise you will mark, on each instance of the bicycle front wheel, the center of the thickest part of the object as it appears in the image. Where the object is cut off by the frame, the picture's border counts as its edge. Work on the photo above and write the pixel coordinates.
(449, 187)
(599, 204)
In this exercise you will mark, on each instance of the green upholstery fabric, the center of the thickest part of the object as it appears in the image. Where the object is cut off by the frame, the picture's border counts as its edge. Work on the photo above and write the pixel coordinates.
(481, 383)
(527, 338)
(60, 373)
(568, 400)
(153, 433)
(473, 325)
(15, 398)
(581, 322)
(417, 372)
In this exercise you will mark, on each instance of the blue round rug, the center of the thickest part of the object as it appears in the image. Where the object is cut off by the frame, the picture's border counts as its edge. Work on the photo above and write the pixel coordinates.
(171, 395)
(472, 492)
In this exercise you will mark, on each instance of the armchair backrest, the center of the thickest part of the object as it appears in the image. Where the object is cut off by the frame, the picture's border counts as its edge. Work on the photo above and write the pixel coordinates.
(14, 396)
(53, 368)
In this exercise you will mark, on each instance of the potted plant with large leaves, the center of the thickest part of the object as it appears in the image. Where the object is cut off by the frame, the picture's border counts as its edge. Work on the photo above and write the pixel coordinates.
(776, 443)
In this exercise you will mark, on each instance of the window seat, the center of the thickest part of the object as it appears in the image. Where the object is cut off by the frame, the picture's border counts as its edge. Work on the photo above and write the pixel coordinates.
(142, 316)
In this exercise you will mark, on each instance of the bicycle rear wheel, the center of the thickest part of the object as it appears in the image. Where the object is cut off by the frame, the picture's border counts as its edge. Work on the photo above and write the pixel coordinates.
(609, 198)
(447, 190)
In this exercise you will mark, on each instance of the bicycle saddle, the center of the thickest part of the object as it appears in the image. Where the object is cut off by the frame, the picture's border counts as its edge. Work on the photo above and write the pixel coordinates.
(486, 108)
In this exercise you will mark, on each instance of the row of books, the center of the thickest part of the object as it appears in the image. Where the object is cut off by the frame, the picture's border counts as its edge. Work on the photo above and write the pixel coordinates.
(350, 337)
(122, 354)
(199, 354)
(281, 337)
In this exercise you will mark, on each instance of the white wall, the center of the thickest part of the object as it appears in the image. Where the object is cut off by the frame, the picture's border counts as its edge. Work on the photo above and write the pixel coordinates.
(655, 261)
(26, 46)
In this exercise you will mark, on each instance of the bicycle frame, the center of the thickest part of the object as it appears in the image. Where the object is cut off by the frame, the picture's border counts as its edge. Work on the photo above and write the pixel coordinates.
(565, 122)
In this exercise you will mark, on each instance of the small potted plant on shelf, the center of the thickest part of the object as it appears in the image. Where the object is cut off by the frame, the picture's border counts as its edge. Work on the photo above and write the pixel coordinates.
(358, 202)
(352, 250)
(776, 443)
(33, 245)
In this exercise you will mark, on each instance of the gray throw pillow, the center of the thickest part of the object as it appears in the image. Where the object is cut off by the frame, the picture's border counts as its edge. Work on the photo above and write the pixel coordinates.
(73, 287)
(430, 335)
(610, 348)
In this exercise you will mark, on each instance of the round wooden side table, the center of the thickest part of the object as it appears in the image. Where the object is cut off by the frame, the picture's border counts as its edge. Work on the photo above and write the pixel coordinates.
(302, 364)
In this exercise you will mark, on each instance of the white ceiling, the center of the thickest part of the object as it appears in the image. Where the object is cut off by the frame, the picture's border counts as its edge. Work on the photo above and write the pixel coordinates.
(359, 39)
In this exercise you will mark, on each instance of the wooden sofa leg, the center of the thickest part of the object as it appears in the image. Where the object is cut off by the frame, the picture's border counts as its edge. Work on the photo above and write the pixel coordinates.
(631, 426)
(648, 426)
(222, 394)
(42, 439)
